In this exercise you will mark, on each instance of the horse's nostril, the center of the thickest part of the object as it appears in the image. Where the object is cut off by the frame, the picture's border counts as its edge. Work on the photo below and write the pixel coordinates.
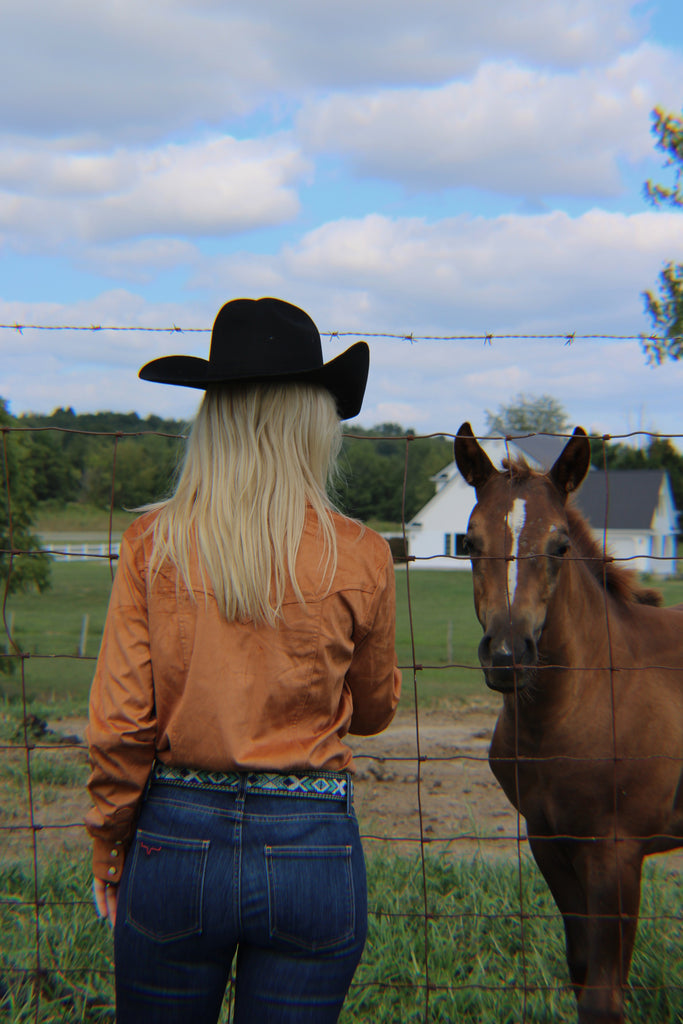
(530, 656)
(525, 652)
(507, 652)
(485, 649)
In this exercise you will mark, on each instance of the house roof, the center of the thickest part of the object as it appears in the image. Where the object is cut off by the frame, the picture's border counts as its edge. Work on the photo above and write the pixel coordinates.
(541, 449)
(631, 497)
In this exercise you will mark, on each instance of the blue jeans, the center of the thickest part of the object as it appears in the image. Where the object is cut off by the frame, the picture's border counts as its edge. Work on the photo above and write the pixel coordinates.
(278, 879)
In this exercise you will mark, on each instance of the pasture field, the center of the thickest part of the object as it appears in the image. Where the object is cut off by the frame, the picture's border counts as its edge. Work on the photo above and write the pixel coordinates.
(78, 518)
(490, 947)
(48, 627)
(486, 963)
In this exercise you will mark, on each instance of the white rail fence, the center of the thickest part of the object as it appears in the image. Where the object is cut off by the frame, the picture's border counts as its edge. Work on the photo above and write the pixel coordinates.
(79, 551)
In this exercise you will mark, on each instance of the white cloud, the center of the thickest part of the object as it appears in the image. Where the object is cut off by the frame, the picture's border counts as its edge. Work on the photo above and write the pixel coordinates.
(432, 386)
(511, 129)
(217, 186)
(546, 273)
(130, 70)
(115, 159)
(126, 70)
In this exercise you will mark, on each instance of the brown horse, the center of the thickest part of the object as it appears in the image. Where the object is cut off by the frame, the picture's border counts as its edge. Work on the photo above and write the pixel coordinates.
(589, 742)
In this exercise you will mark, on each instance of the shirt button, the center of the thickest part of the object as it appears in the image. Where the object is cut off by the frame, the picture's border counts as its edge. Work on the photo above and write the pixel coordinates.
(111, 870)
(114, 853)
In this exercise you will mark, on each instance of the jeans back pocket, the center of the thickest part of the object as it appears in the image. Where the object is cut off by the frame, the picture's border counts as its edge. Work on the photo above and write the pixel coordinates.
(311, 898)
(166, 886)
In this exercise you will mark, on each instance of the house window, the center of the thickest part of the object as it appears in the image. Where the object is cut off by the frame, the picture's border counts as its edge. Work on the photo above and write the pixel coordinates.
(460, 544)
(448, 543)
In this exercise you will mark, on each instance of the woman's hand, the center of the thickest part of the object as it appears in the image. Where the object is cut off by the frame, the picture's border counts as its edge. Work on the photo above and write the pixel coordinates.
(106, 897)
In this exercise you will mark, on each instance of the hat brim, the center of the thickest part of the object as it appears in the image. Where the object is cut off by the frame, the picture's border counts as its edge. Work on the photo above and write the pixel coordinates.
(345, 376)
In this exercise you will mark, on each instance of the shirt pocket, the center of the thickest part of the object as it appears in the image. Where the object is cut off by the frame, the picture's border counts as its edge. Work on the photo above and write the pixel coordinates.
(166, 886)
(311, 898)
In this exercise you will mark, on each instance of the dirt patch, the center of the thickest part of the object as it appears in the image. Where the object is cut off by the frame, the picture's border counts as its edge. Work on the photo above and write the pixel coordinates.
(437, 786)
(432, 784)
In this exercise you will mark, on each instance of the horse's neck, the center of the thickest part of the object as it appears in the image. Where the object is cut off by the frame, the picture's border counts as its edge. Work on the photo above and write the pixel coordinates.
(576, 624)
(575, 636)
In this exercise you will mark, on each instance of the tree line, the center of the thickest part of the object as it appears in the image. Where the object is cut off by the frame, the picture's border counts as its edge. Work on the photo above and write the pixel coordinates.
(99, 459)
(385, 473)
(102, 458)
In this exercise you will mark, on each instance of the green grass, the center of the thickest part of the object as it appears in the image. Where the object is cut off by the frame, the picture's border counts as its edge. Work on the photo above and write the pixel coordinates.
(672, 589)
(446, 634)
(474, 948)
(483, 962)
(77, 518)
(385, 526)
(48, 628)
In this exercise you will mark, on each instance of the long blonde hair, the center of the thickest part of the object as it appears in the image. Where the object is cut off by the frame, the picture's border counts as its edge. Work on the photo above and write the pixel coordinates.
(256, 456)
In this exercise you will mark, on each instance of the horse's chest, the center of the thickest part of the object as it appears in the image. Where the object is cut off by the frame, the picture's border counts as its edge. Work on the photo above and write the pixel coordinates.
(541, 774)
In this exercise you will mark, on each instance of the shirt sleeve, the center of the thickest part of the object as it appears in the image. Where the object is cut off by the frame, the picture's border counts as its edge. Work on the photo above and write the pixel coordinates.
(122, 724)
(373, 676)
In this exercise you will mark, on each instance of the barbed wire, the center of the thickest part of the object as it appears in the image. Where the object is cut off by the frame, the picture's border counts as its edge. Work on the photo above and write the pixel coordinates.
(487, 337)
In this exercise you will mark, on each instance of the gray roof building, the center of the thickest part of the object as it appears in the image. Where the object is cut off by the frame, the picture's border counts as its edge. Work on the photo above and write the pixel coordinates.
(629, 498)
(642, 521)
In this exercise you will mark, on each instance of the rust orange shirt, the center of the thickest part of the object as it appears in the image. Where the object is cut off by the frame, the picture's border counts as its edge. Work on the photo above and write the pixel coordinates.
(176, 681)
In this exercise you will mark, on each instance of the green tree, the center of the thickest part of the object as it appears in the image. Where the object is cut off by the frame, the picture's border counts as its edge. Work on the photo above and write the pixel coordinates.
(528, 414)
(373, 469)
(665, 306)
(73, 456)
(22, 564)
(142, 473)
(55, 478)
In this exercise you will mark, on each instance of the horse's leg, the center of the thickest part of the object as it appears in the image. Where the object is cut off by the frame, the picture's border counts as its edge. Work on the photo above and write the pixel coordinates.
(611, 877)
(555, 863)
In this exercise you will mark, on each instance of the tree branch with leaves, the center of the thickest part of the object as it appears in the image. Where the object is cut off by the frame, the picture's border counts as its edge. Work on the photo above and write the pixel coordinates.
(528, 414)
(23, 565)
(665, 307)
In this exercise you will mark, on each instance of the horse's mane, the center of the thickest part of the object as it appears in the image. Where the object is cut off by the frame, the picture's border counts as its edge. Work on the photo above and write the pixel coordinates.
(622, 584)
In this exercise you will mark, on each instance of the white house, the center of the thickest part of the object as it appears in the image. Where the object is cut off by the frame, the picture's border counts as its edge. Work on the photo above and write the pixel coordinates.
(641, 522)
(636, 506)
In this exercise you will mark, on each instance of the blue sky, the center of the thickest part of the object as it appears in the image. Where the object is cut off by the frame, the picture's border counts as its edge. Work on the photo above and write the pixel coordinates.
(436, 169)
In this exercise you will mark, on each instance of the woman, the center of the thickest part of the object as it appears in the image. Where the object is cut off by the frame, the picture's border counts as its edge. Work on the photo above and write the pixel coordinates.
(250, 628)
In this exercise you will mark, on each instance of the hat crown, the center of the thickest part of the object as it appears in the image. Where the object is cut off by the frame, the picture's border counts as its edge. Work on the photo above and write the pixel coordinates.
(268, 340)
(257, 336)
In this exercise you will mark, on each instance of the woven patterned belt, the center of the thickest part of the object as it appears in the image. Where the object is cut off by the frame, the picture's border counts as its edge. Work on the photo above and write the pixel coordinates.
(320, 784)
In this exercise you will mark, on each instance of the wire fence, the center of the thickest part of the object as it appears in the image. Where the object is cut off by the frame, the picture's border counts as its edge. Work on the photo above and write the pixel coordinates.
(486, 337)
(461, 925)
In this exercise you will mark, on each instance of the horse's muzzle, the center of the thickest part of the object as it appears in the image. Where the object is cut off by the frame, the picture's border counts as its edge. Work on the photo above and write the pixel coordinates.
(508, 666)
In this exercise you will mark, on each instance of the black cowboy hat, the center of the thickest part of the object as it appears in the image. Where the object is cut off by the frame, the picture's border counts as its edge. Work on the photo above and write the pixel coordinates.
(262, 340)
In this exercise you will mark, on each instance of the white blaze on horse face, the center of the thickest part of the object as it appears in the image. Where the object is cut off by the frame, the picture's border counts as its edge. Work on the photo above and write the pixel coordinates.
(516, 519)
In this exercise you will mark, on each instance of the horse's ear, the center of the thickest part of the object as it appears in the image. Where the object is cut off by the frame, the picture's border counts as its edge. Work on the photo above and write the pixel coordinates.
(572, 464)
(471, 459)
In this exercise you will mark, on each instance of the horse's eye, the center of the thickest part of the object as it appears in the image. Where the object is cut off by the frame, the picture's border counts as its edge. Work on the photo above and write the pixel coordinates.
(470, 547)
(560, 547)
